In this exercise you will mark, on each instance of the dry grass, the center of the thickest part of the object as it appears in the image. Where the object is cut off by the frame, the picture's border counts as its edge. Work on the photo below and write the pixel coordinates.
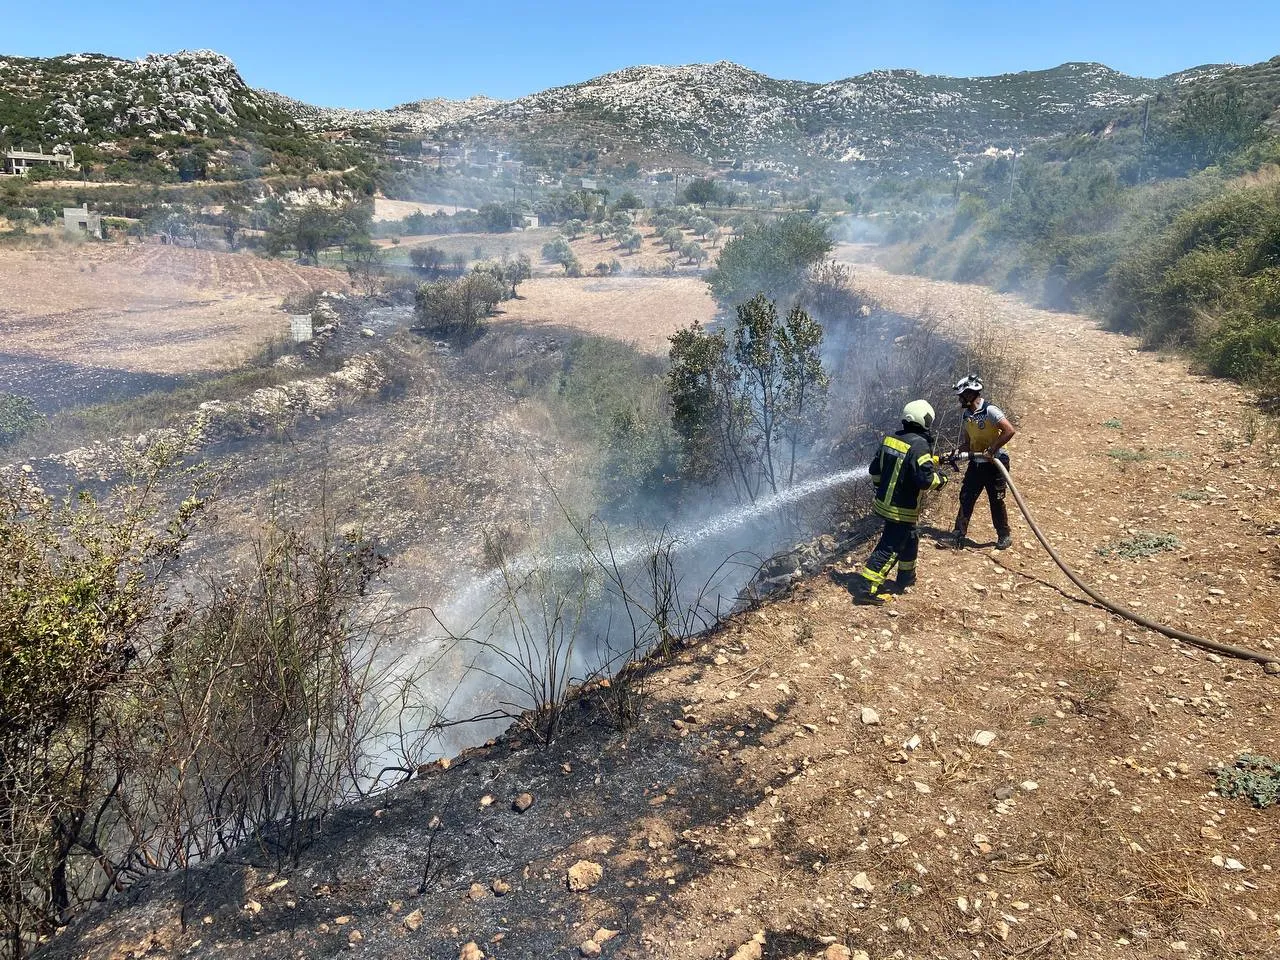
(643, 311)
(145, 308)
(384, 209)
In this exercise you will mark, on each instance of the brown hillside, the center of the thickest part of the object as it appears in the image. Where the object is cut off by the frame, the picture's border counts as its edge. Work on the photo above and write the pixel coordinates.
(817, 780)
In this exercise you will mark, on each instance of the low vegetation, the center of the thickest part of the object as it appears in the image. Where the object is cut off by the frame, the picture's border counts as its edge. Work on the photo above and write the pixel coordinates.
(1252, 776)
(1163, 222)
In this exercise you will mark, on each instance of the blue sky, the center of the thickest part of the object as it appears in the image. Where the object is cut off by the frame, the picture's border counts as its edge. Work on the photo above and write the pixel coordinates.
(377, 53)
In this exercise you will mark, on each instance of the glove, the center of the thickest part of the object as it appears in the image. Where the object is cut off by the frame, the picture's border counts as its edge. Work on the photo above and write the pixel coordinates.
(937, 460)
(943, 480)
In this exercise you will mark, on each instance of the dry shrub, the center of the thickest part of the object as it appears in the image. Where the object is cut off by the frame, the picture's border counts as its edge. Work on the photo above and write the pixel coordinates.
(144, 728)
(986, 349)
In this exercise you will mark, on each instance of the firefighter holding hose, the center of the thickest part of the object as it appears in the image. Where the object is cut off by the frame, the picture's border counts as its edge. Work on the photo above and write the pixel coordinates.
(986, 431)
(903, 469)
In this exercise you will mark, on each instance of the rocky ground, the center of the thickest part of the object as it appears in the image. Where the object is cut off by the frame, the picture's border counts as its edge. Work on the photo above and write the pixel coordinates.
(990, 767)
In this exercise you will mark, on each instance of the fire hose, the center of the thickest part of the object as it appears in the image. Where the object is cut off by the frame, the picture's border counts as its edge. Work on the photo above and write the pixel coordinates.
(1268, 661)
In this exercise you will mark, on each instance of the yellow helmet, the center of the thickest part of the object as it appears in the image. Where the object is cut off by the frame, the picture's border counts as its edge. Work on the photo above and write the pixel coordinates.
(919, 412)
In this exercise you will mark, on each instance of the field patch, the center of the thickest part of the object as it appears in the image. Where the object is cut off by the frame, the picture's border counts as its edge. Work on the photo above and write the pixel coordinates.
(83, 323)
(644, 311)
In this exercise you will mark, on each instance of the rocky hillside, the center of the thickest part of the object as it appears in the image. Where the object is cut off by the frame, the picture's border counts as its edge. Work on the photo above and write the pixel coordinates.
(887, 121)
(87, 98)
(418, 116)
(895, 122)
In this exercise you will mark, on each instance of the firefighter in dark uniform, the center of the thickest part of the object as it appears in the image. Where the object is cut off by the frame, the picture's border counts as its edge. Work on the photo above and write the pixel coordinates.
(903, 468)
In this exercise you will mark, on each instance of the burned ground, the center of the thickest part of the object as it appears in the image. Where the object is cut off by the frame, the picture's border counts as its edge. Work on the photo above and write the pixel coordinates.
(992, 766)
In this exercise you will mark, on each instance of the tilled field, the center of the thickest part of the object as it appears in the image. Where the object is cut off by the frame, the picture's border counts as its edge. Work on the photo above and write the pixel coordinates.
(85, 322)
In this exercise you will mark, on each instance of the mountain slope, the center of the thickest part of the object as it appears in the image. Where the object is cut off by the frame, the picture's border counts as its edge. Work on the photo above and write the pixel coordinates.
(894, 121)
(417, 116)
(83, 98)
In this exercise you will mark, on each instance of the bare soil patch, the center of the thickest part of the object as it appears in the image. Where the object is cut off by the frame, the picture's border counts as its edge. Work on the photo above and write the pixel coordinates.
(79, 322)
(644, 311)
(384, 209)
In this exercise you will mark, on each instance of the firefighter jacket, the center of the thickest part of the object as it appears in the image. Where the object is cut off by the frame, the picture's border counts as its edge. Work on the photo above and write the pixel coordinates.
(902, 469)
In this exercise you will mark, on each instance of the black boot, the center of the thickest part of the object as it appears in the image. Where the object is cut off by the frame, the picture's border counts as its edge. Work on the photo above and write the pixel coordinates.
(863, 593)
(1005, 541)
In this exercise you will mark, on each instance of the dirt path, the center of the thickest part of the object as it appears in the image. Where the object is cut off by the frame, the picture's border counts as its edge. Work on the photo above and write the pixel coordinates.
(991, 767)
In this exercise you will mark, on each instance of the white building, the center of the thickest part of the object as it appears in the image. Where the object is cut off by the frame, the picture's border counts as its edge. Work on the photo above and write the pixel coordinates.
(18, 162)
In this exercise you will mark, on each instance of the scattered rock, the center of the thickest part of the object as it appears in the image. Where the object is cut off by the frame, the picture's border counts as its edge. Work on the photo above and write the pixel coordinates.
(869, 717)
(471, 952)
(1005, 792)
(1271, 667)
(753, 949)
(862, 882)
(837, 951)
(589, 948)
(500, 887)
(604, 935)
(477, 892)
(253, 906)
(983, 738)
(413, 921)
(354, 937)
(584, 875)
(522, 802)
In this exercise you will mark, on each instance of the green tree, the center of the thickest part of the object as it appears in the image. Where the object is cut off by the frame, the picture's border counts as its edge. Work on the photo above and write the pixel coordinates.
(771, 258)
(628, 201)
(693, 252)
(1209, 124)
(745, 404)
(517, 271)
(701, 191)
(673, 237)
(428, 260)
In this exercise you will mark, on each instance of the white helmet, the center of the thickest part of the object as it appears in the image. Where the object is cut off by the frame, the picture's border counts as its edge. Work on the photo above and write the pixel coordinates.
(966, 383)
(919, 412)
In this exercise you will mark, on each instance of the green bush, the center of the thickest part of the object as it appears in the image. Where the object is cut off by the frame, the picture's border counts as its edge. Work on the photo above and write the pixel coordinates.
(18, 418)
(1252, 776)
(1141, 545)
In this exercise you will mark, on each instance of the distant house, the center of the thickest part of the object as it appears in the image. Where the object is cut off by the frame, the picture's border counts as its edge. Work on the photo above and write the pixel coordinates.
(79, 220)
(18, 162)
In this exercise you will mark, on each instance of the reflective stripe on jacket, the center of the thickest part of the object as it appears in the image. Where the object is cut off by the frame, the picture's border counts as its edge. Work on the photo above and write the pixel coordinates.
(901, 469)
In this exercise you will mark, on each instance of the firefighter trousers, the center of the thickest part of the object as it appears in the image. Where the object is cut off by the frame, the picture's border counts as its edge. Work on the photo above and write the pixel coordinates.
(979, 477)
(899, 544)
